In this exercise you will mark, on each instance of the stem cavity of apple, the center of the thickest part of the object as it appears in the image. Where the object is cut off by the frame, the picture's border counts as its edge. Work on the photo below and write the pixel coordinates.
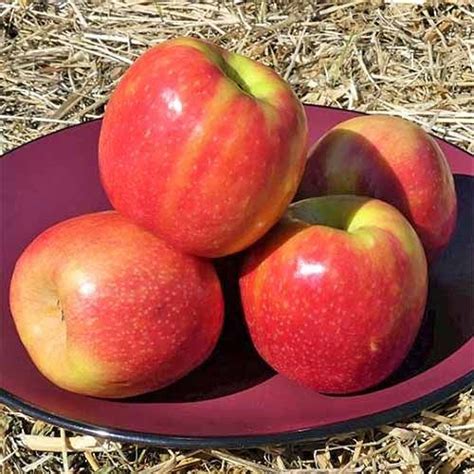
(58, 304)
(235, 77)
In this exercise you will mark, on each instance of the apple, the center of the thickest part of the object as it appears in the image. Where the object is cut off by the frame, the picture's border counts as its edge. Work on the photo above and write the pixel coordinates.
(203, 147)
(391, 159)
(105, 308)
(334, 295)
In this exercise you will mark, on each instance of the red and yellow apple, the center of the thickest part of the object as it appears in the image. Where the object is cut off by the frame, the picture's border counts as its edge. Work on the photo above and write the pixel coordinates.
(105, 308)
(391, 159)
(202, 146)
(334, 295)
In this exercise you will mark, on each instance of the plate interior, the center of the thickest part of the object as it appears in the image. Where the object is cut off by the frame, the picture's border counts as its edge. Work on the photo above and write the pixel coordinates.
(234, 393)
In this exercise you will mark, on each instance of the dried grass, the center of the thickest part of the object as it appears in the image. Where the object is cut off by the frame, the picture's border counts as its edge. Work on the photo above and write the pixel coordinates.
(434, 441)
(59, 60)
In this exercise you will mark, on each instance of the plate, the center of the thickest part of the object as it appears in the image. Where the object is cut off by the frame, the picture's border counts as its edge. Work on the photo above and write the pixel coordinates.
(234, 399)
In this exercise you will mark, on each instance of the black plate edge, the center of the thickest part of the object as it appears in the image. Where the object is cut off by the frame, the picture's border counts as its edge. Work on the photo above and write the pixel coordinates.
(198, 442)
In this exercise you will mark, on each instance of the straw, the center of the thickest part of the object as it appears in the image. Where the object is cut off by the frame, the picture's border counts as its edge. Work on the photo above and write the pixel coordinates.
(59, 62)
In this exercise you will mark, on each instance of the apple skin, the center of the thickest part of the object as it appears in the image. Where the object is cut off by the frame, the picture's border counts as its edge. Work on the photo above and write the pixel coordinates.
(185, 152)
(105, 308)
(334, 295)
(391, 159)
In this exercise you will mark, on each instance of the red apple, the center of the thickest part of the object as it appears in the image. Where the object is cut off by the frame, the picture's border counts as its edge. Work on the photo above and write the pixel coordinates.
(334, 295)
(104, 308)
(202, 146)
(391, 159)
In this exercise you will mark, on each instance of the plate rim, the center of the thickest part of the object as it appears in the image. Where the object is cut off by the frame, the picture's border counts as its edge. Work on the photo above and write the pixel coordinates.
(389, 415)
(305, 105)
(243, 441)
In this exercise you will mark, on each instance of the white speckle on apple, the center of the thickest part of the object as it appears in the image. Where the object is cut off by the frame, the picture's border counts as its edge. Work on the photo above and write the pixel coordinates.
(305, 268)
(87, 288)
(36, 329)
(173, 101)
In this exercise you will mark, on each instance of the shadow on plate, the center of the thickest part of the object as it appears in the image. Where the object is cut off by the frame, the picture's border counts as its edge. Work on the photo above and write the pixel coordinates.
(448, 324)
(233, 366)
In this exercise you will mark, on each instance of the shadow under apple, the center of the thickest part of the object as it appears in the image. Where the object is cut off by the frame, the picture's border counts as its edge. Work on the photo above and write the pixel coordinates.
(449, 317)
(234, 364)
(448, 323)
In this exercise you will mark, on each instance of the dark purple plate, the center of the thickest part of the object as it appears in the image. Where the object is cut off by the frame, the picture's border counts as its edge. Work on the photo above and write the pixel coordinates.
(234, 399)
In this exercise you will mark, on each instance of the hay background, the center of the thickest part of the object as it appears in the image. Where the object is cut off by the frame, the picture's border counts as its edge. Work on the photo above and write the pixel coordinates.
(59, 60)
